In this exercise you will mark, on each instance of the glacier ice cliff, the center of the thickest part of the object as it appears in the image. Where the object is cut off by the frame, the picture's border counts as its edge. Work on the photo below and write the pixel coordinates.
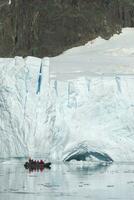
(91, 117)
(94, 114)
(24, 106)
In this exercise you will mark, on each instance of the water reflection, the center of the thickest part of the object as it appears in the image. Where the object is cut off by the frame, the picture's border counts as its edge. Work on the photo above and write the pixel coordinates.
(88, 167)
(66, 181)
(34, 169)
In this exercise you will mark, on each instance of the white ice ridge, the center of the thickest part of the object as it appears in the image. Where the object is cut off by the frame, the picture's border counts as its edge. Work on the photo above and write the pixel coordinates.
(92, 114)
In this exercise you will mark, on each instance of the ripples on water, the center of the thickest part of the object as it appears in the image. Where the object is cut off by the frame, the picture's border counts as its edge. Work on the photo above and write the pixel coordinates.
(66, 181)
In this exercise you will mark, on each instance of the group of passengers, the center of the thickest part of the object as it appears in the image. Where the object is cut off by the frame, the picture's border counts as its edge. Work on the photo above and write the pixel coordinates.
(35, 162)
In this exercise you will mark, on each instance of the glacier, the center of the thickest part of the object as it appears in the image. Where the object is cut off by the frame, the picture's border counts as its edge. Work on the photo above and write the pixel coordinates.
(70, 114)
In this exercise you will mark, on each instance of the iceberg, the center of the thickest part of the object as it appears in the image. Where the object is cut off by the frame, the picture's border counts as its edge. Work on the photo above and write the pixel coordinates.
(72, 113)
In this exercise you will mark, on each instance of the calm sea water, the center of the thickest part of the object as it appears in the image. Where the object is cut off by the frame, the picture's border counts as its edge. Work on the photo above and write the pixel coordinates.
(66, 181)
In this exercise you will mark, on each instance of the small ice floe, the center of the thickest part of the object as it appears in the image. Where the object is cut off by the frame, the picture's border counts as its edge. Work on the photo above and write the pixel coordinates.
(130, 182)
(110, 185)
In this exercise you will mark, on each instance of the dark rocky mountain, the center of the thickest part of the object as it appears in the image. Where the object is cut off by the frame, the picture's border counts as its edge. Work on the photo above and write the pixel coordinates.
(48, 27)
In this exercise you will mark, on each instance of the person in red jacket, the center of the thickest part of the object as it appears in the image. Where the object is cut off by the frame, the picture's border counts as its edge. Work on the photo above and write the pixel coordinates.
(42, 162)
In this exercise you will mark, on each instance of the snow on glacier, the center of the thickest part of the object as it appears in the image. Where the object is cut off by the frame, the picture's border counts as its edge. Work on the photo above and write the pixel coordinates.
(114, 56)
(83, 104)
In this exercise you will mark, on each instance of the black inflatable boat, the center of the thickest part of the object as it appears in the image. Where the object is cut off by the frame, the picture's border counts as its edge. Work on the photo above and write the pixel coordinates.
(37, 166)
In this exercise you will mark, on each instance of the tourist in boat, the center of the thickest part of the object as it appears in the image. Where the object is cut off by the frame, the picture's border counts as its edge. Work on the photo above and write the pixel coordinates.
(41, 162)
(31, 161)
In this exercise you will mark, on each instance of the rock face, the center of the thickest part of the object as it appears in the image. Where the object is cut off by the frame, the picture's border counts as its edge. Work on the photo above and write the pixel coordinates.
(47, 28)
